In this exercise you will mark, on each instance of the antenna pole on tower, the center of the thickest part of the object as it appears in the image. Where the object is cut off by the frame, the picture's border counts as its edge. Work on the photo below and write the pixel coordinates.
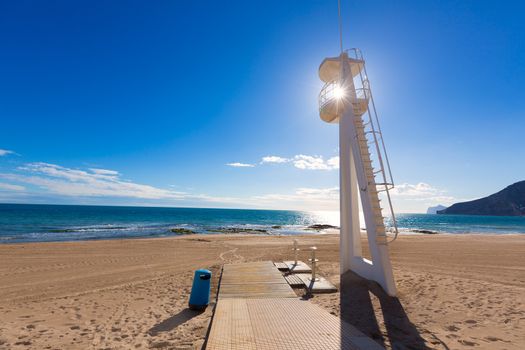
(340, 25)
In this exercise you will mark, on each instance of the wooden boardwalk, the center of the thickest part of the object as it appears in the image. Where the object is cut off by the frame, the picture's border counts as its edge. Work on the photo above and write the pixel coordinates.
(257, 309)
(254, 280)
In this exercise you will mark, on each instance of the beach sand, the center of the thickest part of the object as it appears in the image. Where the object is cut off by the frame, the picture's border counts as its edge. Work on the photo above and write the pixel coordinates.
(455, 291)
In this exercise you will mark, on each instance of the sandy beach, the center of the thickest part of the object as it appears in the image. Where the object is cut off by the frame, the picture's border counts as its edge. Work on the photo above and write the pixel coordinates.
(455, 291)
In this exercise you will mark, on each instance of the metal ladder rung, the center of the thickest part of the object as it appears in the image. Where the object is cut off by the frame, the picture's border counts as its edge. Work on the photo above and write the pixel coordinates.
(379, 223)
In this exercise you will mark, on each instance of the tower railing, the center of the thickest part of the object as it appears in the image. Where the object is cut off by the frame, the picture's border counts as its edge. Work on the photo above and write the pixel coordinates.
(328, 94)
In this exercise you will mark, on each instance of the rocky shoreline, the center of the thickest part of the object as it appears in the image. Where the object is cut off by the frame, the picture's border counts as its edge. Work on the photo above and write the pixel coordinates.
(249, 230)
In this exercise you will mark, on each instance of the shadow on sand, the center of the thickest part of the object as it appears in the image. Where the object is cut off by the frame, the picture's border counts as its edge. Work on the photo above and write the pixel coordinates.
(358, 310)
(174, 321)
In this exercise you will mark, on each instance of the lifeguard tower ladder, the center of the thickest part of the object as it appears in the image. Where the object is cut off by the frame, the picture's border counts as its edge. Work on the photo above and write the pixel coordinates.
(364, 169)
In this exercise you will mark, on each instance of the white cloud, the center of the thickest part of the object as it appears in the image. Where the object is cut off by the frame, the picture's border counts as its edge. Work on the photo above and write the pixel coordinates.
(5, 152)
(64, 181)
(418, 197)
(240, 165)
(333, 162)
(274, 159)
(10, 187)
(420, 191)
(104, 172)
(92, 183)
(102, 183)
(407, 198)
(300, 161)
(303, 198)
(331, 193)
(305, 162)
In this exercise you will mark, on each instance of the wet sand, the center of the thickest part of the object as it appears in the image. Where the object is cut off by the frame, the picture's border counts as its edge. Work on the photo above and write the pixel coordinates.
(455, 291)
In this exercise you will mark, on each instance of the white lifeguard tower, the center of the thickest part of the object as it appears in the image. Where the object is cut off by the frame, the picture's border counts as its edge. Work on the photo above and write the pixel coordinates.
(364, 170)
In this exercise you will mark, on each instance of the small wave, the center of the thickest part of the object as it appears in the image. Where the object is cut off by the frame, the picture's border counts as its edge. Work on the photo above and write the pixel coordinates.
(96, 228)
(73, 230)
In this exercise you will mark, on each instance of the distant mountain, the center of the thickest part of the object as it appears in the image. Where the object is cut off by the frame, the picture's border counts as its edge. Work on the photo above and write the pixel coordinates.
(507, 202)
(434, 210)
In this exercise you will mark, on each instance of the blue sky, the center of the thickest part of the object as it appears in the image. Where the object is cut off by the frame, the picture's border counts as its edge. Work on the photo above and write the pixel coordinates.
(159, 97)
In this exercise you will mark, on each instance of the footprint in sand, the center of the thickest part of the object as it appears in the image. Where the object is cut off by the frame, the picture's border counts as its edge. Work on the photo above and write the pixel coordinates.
(452, 328)
(24, 342)
(490, 338)
(467, 343)
(160, 344)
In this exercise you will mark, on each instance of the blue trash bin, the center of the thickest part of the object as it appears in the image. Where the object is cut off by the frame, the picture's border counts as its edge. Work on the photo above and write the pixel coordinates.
(200, 290)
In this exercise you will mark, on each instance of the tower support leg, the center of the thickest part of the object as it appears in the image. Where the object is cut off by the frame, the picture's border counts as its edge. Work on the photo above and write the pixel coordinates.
(350, 235)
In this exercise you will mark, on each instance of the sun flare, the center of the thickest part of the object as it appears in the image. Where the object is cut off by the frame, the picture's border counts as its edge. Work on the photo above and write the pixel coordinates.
(339, 92)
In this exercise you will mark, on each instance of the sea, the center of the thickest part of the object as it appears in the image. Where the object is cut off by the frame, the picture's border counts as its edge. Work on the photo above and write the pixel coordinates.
(46, 223)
